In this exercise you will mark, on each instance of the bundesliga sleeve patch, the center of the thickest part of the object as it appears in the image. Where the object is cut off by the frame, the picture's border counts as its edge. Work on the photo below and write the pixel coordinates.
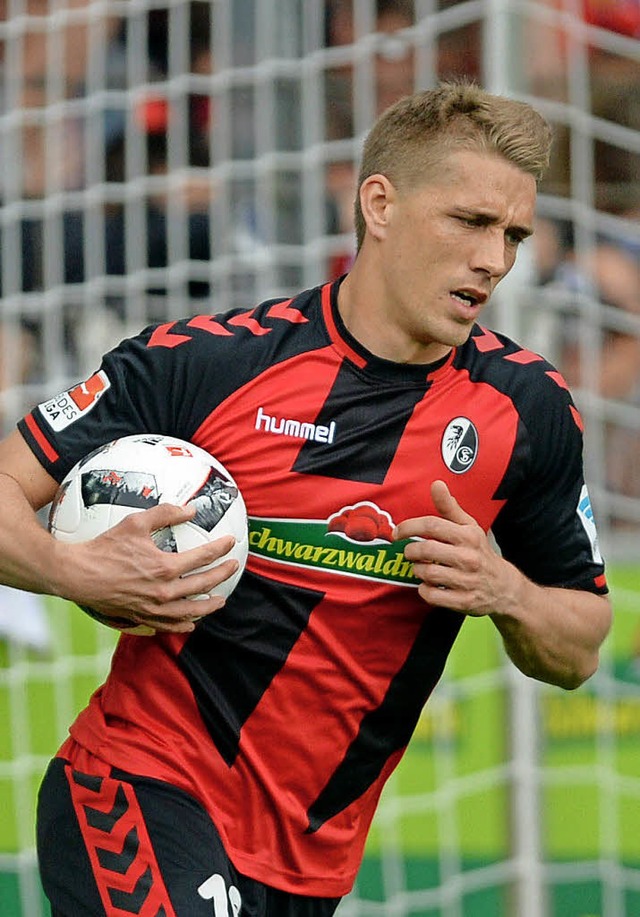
(585, 515)
(64, 409)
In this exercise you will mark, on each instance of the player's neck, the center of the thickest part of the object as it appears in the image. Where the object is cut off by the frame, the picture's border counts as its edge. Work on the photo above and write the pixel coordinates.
(367, 315)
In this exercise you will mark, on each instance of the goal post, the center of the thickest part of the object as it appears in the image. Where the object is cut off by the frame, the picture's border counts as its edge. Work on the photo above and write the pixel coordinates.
(165, 159)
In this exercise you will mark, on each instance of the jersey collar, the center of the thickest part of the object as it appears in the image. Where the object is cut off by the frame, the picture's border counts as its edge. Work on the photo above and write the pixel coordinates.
(353, 350)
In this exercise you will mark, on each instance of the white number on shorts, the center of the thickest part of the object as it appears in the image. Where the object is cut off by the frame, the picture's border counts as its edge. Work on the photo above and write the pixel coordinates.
(214, 889)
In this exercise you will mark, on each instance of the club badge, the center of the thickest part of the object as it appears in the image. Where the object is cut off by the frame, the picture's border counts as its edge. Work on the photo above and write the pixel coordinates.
(459, 445)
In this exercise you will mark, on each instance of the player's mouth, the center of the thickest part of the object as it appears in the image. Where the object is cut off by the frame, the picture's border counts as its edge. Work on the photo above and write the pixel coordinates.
(469, 297)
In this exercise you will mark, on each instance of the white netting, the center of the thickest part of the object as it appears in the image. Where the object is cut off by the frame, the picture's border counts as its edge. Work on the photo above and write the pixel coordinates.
(160, 159)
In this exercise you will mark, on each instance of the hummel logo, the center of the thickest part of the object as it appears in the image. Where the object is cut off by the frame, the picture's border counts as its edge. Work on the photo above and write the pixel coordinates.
(296, 428)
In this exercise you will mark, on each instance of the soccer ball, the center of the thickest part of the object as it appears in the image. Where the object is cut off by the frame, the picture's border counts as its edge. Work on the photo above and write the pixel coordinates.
(136, 472)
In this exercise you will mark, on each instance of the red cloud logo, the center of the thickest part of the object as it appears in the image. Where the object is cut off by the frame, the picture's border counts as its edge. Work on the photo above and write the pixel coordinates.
(362, 522)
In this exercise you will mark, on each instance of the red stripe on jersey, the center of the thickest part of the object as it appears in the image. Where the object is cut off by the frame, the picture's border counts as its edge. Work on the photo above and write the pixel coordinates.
(336, 337)
(162, 338)
(575, 413)
(487, 341)
(209, 324)
(440, 371)
(524, 357)
(246, 320)
(600, 581)
(118, 845)
(284, 310)
(558, 379)
(39, 437)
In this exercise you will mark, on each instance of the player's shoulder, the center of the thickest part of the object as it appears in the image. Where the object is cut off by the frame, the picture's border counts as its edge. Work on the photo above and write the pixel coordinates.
(287, 311)
(241, 322)
(494, 358)
(533, 384)
(260, 333)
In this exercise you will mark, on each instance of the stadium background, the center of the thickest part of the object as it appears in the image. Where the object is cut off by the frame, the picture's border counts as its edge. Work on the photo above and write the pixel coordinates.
(165, 158)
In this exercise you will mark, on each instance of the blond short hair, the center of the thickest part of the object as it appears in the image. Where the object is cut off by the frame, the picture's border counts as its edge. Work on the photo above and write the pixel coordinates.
(416, 134)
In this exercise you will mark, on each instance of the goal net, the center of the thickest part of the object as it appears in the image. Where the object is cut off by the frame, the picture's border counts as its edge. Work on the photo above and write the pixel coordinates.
(163, 159)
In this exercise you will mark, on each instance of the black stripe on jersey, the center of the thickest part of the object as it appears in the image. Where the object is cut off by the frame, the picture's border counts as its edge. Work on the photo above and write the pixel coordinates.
(519, 463)
(543, 483)
(365, 413)
(388, 728)
(233, 656)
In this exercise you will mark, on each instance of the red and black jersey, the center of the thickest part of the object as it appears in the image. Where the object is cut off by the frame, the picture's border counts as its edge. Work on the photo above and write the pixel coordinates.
(286, 711)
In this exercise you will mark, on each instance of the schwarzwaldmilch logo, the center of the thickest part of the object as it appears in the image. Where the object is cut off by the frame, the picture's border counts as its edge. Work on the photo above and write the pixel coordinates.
(356, 540)
(459, 445)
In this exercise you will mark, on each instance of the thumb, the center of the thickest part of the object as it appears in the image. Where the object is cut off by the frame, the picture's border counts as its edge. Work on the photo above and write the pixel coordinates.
(446, 504)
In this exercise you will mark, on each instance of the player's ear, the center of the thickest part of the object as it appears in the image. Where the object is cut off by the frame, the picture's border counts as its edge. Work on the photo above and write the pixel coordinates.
(377, 196)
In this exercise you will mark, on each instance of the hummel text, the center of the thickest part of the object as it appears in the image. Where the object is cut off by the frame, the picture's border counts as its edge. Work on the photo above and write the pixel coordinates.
(299, 429)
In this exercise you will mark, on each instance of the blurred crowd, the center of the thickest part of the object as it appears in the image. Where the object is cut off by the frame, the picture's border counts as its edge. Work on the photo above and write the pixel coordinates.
(113, 126)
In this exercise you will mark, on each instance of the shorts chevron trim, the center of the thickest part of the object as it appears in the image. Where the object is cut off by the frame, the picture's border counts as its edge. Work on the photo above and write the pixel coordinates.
(123, 861)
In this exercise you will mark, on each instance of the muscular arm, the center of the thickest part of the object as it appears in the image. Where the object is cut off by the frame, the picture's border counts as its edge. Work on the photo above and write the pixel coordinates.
(551, 634)
(27, 552)
(121, 573)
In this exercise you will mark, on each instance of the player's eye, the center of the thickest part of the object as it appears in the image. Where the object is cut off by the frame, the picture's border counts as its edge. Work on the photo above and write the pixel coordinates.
(515, 238)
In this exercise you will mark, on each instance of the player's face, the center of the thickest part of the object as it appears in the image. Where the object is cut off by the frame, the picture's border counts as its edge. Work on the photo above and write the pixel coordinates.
(444, 246)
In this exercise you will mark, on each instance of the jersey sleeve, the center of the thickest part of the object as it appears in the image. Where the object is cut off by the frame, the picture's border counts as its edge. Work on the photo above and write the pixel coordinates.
(546, 526)
(140, 387)
(169, 378)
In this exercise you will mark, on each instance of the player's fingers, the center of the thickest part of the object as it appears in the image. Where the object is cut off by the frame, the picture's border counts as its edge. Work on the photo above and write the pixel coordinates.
(432, 551)
(184, 563)
(447, 506)
(158, 517)
(434, 573)
(440, 597)
(177, 616)
(446, 526)
(192, 608)
(206, 582)
(425, 528)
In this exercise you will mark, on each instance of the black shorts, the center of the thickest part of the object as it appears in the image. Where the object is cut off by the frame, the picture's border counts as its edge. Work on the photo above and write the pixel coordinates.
(120, 844)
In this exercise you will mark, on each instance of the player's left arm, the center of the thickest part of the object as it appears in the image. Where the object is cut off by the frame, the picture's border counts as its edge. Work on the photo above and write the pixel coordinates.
(551, 634)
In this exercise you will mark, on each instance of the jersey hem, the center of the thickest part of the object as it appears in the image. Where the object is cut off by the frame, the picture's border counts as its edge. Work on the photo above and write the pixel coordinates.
(292, 883)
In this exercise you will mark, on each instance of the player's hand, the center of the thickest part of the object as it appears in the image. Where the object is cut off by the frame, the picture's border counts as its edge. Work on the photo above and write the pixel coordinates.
(453, 557)
(122, 573)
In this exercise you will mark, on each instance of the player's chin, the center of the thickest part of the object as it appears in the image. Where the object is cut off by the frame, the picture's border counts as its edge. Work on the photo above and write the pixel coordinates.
(457, 333)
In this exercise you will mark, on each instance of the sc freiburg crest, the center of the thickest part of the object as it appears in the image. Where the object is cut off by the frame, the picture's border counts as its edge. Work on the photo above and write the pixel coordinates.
(459, 445)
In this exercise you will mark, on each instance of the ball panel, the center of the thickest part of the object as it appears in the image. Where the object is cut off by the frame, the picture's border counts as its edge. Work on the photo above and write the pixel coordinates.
(116, 487)
(92, 522)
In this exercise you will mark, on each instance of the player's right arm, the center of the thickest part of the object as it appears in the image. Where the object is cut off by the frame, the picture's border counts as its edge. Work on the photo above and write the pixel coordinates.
(121, 573)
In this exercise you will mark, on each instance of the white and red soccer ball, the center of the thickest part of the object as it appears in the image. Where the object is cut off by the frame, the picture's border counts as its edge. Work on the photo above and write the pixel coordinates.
(136, 472)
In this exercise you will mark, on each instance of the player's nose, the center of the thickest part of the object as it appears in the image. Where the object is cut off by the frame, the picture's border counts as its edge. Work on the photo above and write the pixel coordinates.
(489, 254)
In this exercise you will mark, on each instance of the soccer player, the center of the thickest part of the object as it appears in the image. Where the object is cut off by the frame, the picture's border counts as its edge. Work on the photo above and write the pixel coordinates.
(378, 434)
